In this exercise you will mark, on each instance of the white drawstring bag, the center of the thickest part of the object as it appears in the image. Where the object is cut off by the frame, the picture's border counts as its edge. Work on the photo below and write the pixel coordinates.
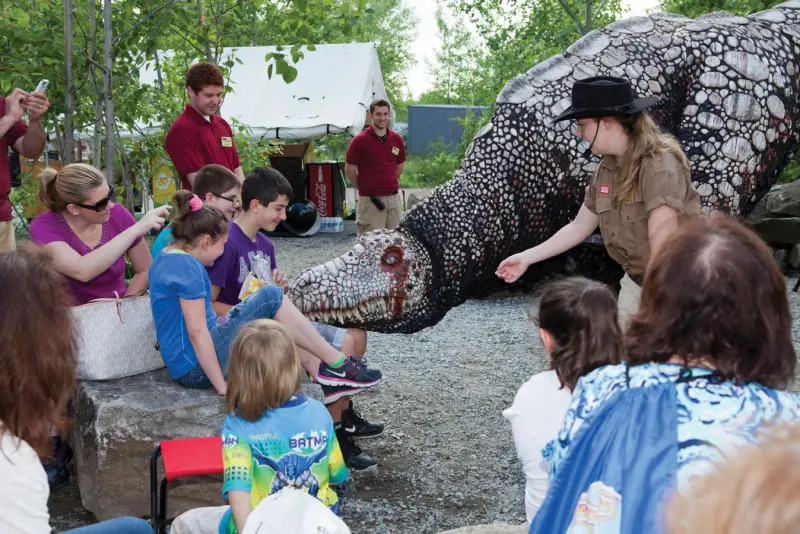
(292, 511)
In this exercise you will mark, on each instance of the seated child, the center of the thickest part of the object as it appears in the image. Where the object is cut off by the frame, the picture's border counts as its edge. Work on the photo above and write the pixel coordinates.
(216, 186)
(273, 437)
(265, 196)
(579, 330)
(194, 342)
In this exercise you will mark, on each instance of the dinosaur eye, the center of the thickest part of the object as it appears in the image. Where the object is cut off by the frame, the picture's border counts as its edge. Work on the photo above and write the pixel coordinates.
(392, 257)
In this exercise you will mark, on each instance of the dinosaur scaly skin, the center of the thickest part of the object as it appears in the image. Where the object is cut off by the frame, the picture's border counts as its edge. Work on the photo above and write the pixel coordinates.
(728, 88)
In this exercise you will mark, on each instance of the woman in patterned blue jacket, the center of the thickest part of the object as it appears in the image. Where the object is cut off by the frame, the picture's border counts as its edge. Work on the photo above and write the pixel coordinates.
(707, 357)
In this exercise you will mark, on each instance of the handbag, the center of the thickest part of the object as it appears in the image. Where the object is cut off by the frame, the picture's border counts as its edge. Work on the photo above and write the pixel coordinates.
(293, 511)
(116, 338)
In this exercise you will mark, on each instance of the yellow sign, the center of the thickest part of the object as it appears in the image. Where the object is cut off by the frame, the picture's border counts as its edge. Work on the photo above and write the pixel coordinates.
(164, 182)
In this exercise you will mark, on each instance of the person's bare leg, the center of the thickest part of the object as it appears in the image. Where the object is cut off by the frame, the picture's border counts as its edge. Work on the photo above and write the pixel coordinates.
(335, 409)
(355, 342)
(304, 335)
(309, 362)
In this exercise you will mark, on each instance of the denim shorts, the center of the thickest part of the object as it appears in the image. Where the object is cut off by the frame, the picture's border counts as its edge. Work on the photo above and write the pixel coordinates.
(263, 304)
(333, 335)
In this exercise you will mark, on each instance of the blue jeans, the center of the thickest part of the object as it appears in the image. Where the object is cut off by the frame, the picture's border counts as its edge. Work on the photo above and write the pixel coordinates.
(120, 525)
(262, 304)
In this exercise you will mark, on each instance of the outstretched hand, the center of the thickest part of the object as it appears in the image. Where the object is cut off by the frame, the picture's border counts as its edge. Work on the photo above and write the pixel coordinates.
(511, 268)
(280, 280)
(153, 219)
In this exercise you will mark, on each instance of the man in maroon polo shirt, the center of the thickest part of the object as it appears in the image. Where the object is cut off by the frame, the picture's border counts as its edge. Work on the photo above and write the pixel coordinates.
(28, 140)
(374, 161)
(199, 137)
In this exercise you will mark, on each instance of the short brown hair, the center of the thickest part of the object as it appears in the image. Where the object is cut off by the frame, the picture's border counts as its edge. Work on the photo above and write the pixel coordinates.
(189, 225)
(214, 179)
(754, 491)
(380, 103)
(714, 291)
(203, 74)
(263, 371)
(264, 184)
(38, 354)
(581, 315)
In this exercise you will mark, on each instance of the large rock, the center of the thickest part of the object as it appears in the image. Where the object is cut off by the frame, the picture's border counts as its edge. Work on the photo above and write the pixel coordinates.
(118, 425)
(785, 201)
(783, 231)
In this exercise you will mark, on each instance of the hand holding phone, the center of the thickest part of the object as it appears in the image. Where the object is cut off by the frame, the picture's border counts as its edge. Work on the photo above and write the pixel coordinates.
(36, 103)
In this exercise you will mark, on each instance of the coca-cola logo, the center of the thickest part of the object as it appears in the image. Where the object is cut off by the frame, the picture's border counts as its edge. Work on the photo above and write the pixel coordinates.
(321, 192)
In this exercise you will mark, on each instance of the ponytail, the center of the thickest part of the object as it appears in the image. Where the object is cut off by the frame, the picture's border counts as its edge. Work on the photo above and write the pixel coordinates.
(189, 225)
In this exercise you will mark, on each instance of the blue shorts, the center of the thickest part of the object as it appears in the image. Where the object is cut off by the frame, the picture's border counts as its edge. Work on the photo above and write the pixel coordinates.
(263, 304)
(333, 335)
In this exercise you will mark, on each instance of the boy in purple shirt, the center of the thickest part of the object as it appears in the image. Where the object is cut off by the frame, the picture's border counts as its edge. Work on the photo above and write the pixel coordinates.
(265, 195)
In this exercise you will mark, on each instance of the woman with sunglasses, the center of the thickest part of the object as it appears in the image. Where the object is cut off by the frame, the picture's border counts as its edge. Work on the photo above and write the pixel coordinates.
(88, 235)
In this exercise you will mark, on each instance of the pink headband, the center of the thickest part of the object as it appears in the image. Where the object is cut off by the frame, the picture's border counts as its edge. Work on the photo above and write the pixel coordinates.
(195, 203)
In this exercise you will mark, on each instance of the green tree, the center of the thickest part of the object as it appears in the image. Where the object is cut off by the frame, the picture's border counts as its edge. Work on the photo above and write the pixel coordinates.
(695, 8)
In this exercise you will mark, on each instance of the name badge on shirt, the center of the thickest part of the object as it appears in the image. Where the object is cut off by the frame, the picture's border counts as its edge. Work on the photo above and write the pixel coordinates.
(227, 142)
(604, 189)
(395, 150)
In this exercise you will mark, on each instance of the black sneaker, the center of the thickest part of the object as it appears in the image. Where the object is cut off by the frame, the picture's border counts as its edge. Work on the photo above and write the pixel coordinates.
(362, 362)
(358, 427)
(354, 457)
(350, 374)
(334, 393)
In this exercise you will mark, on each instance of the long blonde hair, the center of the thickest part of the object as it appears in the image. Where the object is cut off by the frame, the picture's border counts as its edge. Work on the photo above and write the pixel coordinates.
(70, 185)
(264, 369)
(645, 141)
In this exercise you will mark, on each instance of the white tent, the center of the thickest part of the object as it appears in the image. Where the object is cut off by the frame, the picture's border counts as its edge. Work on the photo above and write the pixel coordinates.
(334, 86)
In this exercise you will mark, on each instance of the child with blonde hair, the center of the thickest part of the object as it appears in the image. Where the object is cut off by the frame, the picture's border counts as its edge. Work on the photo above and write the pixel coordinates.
(273, 437)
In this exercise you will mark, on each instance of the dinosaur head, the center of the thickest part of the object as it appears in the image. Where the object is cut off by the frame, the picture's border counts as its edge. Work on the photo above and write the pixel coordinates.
(380, 284)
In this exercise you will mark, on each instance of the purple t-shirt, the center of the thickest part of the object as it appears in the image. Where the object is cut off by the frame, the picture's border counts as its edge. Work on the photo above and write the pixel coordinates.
(50, 227)
(230, 269)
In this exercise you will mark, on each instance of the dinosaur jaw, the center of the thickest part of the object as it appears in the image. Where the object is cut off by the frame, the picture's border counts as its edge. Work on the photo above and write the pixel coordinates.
(362, 313)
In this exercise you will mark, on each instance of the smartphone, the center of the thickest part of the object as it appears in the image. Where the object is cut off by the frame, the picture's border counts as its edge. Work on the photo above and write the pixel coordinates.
(42, 86)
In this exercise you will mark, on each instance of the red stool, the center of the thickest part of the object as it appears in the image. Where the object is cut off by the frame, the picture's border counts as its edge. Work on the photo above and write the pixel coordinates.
(182, 458)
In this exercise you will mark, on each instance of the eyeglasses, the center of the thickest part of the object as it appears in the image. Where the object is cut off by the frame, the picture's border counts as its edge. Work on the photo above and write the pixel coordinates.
(100, 205)
(232, 200)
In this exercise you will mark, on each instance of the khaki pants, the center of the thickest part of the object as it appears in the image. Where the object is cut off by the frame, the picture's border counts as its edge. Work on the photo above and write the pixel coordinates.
(369, 217)
(628, 301)
(7, 241)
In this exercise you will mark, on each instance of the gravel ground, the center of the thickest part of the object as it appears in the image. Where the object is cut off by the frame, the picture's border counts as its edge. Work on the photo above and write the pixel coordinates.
(447, 457)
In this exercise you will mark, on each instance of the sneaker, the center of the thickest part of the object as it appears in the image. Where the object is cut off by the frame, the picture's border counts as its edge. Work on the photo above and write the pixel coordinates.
(334, 393)
(362, 362)
(358, 427)
(360, 358)
(354, 457)
(349, 374)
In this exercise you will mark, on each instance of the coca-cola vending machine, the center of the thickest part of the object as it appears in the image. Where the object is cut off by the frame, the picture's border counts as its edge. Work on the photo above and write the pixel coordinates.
(324, 187)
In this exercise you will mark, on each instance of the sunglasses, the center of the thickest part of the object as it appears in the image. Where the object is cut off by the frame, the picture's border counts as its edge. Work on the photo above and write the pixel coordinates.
(100, 205)
(232, 200)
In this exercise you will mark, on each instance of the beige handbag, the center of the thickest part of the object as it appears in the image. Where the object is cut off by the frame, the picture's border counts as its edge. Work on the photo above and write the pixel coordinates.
(116, 338)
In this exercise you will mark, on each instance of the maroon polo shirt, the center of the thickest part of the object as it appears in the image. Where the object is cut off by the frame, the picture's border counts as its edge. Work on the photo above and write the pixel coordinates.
(15, 132)
(377, 161)
(194, 142)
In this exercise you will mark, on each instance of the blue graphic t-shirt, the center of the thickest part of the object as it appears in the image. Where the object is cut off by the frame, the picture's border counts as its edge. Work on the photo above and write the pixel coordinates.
(230, 270)
(294, 445)
(173, 276)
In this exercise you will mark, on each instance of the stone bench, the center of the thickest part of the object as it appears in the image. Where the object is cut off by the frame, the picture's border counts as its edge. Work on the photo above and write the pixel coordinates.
(118, 425)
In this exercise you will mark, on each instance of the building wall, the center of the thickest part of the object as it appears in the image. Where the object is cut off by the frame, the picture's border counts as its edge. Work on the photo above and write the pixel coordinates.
(429, 123)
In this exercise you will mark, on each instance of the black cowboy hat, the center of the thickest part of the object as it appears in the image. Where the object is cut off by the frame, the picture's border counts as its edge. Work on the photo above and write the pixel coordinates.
(602, 96)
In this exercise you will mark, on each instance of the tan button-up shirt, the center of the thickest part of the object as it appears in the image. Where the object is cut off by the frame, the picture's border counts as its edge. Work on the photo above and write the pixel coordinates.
(662, 182)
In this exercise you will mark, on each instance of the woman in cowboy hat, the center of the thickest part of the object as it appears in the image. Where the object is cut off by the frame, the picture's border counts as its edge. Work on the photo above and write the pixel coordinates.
(641, 186)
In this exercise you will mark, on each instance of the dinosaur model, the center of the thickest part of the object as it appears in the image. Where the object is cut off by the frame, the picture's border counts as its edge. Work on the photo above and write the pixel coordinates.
(729, 92)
